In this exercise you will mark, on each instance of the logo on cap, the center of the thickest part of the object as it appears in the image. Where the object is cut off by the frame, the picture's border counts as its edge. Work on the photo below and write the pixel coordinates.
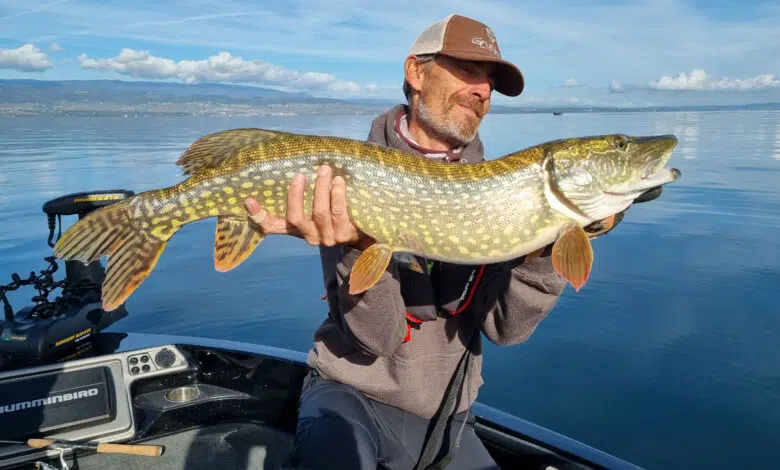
(490, 44)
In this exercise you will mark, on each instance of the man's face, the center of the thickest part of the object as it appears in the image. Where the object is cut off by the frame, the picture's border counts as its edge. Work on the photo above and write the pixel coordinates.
(454, 97)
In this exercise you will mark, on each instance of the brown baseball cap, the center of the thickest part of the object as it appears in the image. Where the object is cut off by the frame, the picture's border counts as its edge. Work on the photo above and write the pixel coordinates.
(464, 38)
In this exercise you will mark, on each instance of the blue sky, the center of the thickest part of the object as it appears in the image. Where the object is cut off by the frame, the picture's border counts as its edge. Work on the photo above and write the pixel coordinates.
(647, 52)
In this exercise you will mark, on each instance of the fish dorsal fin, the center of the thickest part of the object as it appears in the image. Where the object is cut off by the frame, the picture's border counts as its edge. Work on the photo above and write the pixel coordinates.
(212, 150)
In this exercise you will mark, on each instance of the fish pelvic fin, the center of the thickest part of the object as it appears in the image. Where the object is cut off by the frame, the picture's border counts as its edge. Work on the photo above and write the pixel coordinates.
(572, 255)
(369, 267)
(236, 238)
(132, 251)
(212, 150)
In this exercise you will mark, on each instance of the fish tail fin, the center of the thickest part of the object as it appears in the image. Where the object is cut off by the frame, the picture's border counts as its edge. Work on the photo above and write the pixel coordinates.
(111, 231)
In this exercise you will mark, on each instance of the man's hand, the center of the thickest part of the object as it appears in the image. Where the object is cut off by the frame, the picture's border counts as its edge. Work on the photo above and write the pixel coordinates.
(600, 227)
(329, 224)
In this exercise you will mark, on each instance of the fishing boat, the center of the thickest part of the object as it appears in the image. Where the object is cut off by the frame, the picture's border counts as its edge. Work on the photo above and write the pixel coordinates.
(75, 396)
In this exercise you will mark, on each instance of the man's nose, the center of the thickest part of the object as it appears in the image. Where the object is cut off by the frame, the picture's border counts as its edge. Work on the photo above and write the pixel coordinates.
(482, 88)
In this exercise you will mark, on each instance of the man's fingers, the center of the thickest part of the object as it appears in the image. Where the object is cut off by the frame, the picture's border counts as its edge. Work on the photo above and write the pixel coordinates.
(343, 229)
(268, 223)
(338, 199)
(295, 214)
(321, 206)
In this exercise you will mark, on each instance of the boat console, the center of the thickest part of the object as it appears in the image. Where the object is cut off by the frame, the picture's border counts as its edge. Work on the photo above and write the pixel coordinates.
(190, 400)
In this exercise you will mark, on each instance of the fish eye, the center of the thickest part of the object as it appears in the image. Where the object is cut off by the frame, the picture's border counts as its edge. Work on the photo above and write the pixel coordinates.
(621, 143)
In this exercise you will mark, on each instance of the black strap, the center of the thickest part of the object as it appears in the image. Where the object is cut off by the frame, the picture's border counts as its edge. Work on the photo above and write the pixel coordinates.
(436, 433)
(446, 410)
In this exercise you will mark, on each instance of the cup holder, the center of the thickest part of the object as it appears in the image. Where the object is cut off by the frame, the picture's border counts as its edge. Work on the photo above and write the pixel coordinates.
(182, 394)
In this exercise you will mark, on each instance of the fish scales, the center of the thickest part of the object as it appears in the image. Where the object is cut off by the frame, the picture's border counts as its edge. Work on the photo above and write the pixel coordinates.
(472, 213)
(455, 212)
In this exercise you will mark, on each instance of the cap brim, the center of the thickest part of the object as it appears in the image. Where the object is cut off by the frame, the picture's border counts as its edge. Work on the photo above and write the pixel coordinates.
(509, 79)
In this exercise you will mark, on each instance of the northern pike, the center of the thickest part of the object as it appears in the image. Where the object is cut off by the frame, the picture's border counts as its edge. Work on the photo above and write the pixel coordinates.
(487, 212)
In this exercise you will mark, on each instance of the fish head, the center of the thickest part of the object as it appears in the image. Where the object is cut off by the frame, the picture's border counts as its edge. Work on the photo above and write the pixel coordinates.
(593, 178)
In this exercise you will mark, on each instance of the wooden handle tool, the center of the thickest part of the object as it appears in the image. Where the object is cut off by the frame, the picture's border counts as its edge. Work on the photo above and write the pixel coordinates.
(101, 447)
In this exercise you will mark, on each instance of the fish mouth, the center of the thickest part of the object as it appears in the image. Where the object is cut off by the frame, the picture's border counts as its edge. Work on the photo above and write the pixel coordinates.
(658, 150)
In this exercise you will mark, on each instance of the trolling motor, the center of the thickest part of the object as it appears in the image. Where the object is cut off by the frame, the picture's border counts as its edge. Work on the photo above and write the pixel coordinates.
(52, 328)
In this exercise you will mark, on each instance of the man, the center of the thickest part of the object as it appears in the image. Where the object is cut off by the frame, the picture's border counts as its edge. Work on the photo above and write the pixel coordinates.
(388, 363)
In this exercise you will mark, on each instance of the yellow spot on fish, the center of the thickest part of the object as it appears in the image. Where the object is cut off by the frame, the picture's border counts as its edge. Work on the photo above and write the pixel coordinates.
(159, 220)
(450, 225)
(228, 190)
(515, 240)
(189, 210)
(269, 182)
(144, 224)
(429, 240)
(159, 232)
(210, 203)
(480, 230)
(213, 211)
(235, 210)
(178, 213)
(185, 202)
(232, 200)
(167, 208)
(206, 194)
(403, 224)
(270, 201)
(453, 239)
(247, 184)
(534, 218)
(268, 192)
(463, 250)
(508, 230)
(527, 232)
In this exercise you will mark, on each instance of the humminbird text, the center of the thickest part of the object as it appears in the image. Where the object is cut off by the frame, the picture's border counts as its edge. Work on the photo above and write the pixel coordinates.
(49, 400)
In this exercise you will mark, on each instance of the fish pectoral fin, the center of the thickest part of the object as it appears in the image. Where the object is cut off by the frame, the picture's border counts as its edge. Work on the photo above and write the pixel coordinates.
(572, 255)
(214, 149)
(369, 267)
(235, 239)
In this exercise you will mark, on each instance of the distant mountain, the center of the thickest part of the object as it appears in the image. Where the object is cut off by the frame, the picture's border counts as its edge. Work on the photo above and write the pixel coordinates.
(118, 97)
(624, 109)
(125, 92)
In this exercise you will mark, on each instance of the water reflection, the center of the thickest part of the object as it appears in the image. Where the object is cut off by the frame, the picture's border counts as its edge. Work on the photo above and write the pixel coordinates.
(776, 155)
(684, 125)
(676, 329)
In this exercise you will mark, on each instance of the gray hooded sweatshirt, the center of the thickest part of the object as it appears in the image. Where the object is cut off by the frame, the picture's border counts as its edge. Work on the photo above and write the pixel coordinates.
(376, 342)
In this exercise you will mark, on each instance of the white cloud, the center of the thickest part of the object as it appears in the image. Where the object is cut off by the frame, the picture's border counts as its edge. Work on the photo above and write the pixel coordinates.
(27, 58)
(223, 67)
(571, 82)
(616, 87)
(55, 47)
(699, 80)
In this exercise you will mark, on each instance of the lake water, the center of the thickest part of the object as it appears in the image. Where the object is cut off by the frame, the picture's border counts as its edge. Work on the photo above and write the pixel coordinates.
(669, 357)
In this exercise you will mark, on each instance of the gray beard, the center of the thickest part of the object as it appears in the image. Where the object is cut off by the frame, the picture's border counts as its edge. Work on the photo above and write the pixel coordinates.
(448, 130)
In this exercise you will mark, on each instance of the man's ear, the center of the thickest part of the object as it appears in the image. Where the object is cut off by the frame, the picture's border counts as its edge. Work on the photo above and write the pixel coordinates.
(414, 73)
